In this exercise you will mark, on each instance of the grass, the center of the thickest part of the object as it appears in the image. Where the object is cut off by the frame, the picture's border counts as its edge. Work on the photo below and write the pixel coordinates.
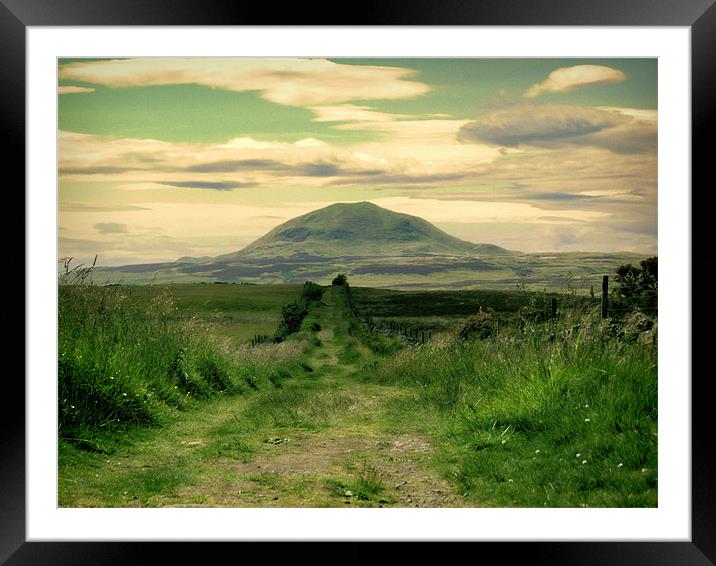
(439, 312)
(560, 413)
(299, 405)
(189, 458)
(230, 312)
(368, 481)
(127, 359)
(556, 414)
(365, 483)
(557, 272)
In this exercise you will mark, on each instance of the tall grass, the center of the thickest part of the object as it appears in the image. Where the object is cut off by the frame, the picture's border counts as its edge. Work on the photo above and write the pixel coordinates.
(125, 362)
(381, 343)
(543, 415)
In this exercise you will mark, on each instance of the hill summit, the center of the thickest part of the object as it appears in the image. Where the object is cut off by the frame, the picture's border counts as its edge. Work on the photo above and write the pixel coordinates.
(359, 229)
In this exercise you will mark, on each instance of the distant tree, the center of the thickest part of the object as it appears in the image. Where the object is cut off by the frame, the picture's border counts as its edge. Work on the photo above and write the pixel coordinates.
(636, 287)
(311, 291)
(292, 314)
(340, 279)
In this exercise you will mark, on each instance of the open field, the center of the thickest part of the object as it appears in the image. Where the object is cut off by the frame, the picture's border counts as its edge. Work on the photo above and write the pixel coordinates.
(236, 312)
(441, 311)
(559, 413)
(559, 272)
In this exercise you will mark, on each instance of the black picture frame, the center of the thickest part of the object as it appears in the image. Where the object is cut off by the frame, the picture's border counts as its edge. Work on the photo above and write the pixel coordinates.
(699, 15)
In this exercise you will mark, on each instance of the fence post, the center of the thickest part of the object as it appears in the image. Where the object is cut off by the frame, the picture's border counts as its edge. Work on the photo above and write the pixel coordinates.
(605, 296)
(554, 307)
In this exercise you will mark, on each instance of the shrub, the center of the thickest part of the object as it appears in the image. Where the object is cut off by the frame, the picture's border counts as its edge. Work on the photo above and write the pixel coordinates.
(341, 279)
(478, 326)
(292, 314)
(636, 288)
(312, 292)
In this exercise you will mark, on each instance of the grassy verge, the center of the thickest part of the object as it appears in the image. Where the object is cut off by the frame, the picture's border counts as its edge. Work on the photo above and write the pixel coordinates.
(206, 455)
(126, 361)
(555, 414)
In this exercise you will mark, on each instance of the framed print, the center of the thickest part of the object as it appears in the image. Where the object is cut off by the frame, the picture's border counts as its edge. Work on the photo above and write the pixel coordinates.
(392, 279)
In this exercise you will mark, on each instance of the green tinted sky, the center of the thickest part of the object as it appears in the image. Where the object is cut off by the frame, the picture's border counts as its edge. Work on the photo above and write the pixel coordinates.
(462, 88)
(162, 158)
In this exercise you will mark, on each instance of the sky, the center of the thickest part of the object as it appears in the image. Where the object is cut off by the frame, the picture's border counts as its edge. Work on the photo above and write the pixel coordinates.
(167, 158)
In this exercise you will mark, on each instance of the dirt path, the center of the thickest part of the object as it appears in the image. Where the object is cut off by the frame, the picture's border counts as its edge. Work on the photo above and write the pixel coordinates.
(327, 441)
(353, 462)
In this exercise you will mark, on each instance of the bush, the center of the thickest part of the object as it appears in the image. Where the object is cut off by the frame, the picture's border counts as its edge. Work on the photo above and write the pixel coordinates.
(478, 326)
(340, 280)
(636, 288)
(312, 292)
(292, 314)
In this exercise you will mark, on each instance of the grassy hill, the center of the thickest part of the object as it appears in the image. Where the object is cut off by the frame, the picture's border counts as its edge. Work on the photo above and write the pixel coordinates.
(359, 229)
(377, 248)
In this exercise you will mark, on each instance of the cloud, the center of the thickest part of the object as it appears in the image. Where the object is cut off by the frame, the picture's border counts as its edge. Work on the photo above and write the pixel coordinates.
(414, 151)
(573, 169)
(308, 169)
(96, 170)
(568, 78)
(632, 137)
(378, 177)
(534, 124)
(421, 146)
(644, 114)
(233, 165)
(557, 125)
(213, 185)
(293, 82)
(85, 207)
(111, 228)
(558, 196)
(436, 210)
(566, 219)
(352, 113)
(73, 89)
